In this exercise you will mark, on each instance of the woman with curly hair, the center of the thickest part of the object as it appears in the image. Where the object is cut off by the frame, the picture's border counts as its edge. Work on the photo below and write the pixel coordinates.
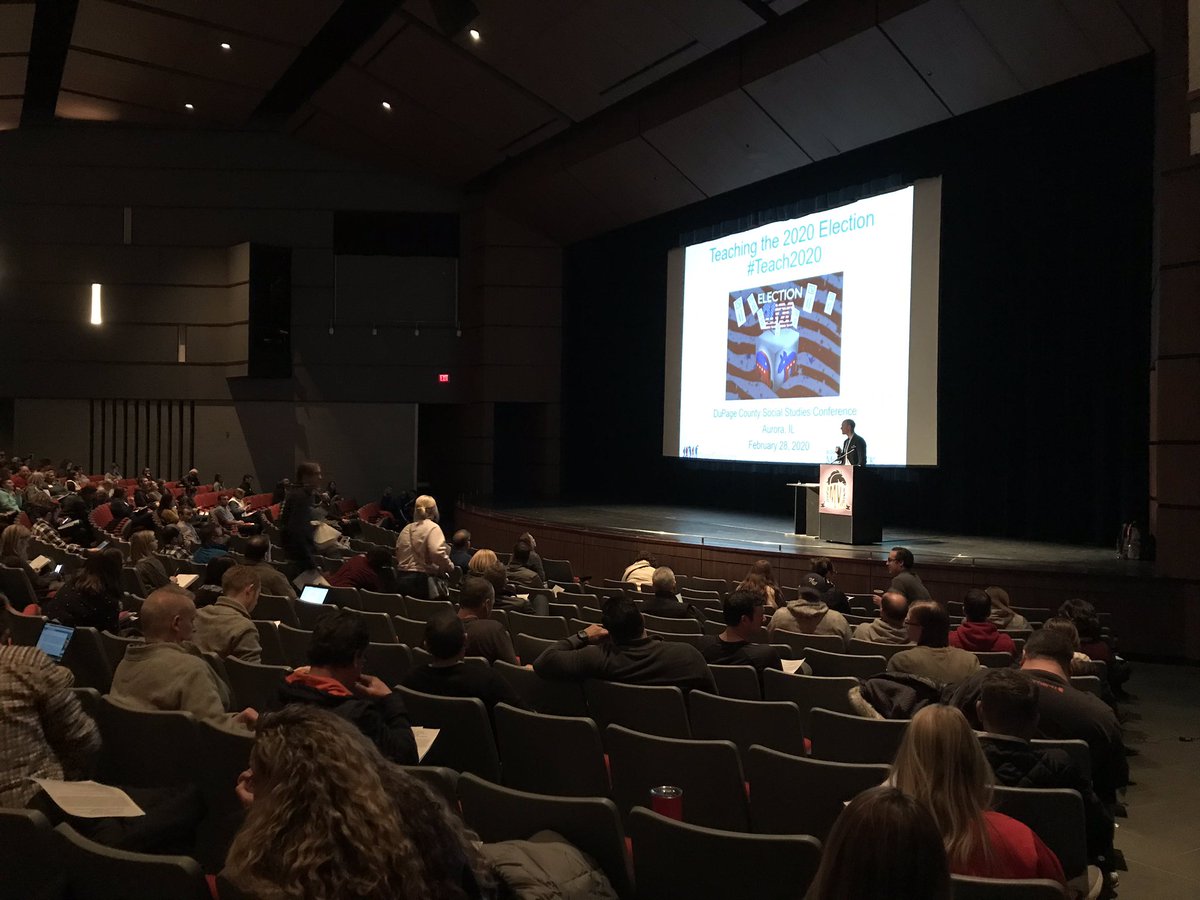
(941, 765)
(329, 818)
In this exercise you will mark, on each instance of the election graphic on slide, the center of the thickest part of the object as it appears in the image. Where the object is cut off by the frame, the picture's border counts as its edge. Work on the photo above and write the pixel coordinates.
(785, 340)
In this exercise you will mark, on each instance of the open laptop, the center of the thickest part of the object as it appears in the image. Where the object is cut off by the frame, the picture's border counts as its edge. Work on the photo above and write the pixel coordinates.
(314, 593)
(54, 639)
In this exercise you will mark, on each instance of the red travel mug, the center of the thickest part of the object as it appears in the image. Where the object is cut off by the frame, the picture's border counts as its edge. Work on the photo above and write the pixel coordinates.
(667, 800)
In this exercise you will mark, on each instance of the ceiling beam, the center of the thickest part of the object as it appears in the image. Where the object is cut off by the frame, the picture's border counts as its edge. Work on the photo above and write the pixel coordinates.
(53, 22)
(354, 22)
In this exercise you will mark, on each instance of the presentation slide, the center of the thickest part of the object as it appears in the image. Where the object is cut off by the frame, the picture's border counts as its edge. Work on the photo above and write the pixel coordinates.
(778, 334)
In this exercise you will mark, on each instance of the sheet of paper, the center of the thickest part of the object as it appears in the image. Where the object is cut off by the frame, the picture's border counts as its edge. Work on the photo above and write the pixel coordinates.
(89, 800)
(792, 666)
(810, 297)
(425, 738)
(830, 300)
(38, 563)
(184, 580)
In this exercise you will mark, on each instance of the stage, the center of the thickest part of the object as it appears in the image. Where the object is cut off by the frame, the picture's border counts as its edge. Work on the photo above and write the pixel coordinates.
(1150, 612)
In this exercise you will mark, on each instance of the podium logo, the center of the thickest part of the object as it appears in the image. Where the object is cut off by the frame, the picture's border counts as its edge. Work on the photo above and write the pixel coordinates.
(837, 492)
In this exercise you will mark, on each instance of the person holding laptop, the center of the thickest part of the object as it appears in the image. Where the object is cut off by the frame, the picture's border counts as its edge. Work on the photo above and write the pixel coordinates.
(46, 732)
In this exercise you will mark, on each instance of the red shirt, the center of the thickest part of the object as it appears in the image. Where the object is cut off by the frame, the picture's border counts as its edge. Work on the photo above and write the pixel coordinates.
(981, 637)
(1016, 852)
(356, 573)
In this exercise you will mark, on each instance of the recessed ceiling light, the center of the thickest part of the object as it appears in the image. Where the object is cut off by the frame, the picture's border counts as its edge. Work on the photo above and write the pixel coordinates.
(225, 45)
(188, 106)
(387, 106)
(475, 35)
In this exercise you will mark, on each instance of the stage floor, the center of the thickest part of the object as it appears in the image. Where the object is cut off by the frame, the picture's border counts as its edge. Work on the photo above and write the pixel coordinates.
(747, 531)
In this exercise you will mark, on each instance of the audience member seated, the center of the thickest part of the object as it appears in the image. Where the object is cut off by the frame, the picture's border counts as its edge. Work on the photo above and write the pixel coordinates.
(620, 650)
(93, 595)
(327, 816)
(217, 483)
(449, 676)
(1091, 640)
(889, 628)
(735, 646)
(256, 553)
(14, 553)
(225, 627)
(370, 571)
(210, 545)
(10, 503)
(1067, 712)
(904, 580)
(819, 580)
(941, 765)
(222, 515)
(485, 636)
(46, 733)
(334, 680)
(761, 579)
(809, 615)
(151, 572)
(518, 571)
(71, 538)
(535, 559)
(933, 658)
(976, 633)
(461, 550)
(117, 505)
(392, 505)
(422, 561)
(36, 499)
(666, 602)
(167, 672)
(1081, 663)
(1002, 615)
(485, 564)
(1008, 709)
(640, 572)
(884, 846)
(191, 479)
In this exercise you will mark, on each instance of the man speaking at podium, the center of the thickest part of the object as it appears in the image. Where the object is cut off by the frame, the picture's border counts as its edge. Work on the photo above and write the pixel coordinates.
(853, 451)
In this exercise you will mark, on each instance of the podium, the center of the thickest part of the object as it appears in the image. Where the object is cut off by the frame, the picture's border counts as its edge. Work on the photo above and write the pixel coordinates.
(848, 505)
(806, 508)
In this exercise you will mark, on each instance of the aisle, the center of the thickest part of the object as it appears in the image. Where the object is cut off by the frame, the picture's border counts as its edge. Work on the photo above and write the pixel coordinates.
(1161, 837)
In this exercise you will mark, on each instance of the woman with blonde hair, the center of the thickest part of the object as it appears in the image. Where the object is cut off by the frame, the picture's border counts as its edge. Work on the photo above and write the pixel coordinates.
(941, 765)
(151, 572)
(422, 556)
(1002, 615)
(328, 817)
(14, 553)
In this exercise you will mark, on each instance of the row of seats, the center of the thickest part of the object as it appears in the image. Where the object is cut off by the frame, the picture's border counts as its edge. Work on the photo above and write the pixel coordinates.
(45, 864)
(801, 796)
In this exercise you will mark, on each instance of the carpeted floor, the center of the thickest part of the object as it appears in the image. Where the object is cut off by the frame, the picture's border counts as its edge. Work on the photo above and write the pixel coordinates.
(1161, 837)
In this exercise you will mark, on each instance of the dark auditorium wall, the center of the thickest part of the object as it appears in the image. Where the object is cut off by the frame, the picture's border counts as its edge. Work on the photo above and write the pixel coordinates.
(1044, 323)
(165, 221)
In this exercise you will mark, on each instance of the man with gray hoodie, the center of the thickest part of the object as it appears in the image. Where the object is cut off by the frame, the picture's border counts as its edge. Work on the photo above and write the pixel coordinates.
(809, 615)
(889, 627)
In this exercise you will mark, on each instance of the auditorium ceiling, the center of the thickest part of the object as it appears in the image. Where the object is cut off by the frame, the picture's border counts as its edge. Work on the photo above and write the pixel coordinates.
(579, 115)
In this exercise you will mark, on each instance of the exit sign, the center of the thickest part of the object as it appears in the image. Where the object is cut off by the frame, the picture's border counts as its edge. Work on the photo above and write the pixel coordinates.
(444, 378)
